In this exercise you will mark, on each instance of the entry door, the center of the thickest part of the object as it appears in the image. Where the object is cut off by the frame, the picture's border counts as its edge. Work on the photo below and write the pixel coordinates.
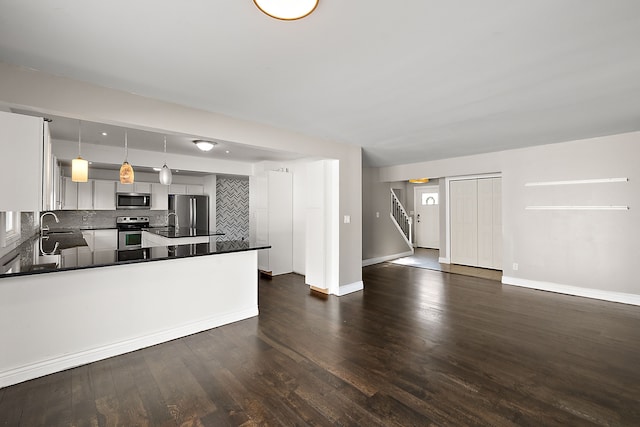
(427, 223)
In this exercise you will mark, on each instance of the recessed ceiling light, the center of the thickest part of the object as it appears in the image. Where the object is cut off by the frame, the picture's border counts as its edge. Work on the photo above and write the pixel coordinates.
(104, 134)
(227, 151)
(204, 145)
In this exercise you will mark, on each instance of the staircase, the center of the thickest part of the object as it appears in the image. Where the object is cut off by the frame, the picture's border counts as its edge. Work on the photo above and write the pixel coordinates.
(401, 220)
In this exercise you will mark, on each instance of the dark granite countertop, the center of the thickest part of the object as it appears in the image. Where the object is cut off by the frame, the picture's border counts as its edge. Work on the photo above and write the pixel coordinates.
(72, 253)
(176, 233)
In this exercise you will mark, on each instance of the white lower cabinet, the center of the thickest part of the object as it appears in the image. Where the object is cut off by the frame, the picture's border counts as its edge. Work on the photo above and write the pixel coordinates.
(102, 244)
(151, 240)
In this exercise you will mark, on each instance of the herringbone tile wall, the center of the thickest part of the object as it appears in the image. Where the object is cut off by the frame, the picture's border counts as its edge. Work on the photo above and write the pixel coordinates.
(232, 208)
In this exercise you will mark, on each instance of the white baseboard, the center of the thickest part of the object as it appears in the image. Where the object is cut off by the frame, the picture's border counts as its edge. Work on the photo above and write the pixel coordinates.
(621, 297)
(350, 288)
(56, 364)
(442, 260)
(371, 261)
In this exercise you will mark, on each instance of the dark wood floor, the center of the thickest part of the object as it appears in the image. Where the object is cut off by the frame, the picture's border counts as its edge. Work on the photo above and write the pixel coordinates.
(417, 347)
(428, 258)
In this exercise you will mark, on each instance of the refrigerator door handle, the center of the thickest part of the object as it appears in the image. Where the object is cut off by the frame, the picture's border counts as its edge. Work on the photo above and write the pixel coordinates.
(193, 212)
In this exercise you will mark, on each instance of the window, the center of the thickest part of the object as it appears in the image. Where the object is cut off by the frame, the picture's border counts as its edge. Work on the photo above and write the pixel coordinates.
(429, 199)
(10, 229)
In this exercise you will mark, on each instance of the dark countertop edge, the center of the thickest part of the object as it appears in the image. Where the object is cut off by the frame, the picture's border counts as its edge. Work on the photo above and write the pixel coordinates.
(166, 231)
(82, 229)
(135, 261)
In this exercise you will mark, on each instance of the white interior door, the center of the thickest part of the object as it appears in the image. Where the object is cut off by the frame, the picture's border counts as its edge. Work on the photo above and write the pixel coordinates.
(485, 223)
(427, 217)
(497, 223)
(464, 221)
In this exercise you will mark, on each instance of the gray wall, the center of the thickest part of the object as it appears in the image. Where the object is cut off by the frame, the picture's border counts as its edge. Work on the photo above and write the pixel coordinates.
(232, 208)
(380, 237)
(588, 249)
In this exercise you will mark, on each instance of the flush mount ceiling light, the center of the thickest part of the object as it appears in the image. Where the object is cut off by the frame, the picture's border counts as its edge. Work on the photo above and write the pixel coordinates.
(287, 10)
(79, 166)
(204, 145)
(419, 180)
(126, 171)
(165, 173)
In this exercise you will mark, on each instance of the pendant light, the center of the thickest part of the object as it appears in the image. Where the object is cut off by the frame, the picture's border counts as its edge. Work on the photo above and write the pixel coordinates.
(287, 10)
(126, 171)
(79, 166)
(165, 172)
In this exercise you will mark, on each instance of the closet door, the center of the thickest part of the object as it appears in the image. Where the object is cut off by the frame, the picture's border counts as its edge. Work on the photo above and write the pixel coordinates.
(464, 221)
(485, 223)
(497, 223)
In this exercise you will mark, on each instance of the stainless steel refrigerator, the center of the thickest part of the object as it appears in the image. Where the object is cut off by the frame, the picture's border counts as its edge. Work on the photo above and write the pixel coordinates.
(192, 211)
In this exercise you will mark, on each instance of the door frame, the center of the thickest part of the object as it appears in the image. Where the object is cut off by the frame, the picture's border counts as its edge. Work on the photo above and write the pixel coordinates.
(415, 207)
(447, 257)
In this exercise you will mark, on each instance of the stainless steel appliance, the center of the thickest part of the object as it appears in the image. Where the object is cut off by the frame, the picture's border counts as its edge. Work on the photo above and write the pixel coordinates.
(133, 201)
(134, 254)
(191, 211)
(130, 231)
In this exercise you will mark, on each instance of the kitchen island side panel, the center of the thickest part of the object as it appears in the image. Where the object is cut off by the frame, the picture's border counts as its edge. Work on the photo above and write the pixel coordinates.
(52, 322)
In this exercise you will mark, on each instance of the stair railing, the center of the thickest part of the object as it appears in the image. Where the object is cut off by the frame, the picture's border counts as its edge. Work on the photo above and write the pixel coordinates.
(400, 218)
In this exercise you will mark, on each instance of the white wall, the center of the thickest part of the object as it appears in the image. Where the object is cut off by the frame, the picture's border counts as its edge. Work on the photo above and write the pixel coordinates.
(590, 253)
(74, 99)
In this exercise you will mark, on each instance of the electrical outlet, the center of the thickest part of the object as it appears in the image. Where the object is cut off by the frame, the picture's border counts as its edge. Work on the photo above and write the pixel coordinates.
(377, 214)
(347, 219)
(515, 266)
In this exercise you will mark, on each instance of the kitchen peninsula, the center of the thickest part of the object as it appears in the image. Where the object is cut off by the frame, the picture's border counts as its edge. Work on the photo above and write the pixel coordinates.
(69, 316)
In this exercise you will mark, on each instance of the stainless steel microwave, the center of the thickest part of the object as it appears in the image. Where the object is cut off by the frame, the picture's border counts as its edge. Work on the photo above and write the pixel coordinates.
(133, 201)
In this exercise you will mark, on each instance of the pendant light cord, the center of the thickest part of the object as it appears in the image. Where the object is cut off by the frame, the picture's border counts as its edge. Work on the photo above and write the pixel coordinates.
(126, 148)
(165, 149)
(79, 136)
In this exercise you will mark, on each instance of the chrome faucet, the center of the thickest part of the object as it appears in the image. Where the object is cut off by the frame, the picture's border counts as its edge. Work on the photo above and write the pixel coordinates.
(177, 224)
(44, 228)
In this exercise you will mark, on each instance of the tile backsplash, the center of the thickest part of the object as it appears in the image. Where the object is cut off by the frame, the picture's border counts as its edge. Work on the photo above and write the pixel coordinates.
(102, 219)
(232, 208)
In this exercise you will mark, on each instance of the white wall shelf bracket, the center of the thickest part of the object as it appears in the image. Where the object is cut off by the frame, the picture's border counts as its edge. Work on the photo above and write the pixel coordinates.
(576, 182)
(577, 208)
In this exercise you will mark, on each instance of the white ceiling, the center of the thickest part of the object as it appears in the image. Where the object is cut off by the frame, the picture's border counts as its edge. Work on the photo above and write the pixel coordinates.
(409, 81)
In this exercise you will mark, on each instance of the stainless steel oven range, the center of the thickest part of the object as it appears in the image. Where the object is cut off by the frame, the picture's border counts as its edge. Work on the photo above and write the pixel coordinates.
(130, 231)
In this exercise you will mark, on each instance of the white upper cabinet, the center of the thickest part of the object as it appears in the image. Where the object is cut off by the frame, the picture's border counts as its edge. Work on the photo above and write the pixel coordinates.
(85, 195)
(136, 187)
(104, 195)
(159, 197)
(191, 189)
(69, 196)
(21, 145)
